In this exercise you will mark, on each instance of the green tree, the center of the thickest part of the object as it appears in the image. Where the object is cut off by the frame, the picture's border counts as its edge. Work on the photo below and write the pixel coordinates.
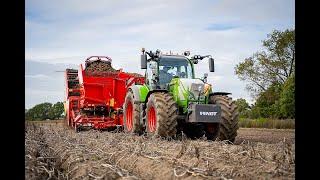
(56, 111)
(270, 76)
(266, 103)
(243, 107)
(287, 99)
(39, 112)
(272, 65)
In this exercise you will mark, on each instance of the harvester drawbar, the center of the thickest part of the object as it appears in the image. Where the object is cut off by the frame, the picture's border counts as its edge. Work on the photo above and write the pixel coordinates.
(95, 94)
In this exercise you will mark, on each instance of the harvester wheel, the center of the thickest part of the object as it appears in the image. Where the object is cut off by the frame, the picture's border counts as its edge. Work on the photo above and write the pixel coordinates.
(229, 117)
(161, 115)
(131, 116)
(67, 119)
(76, 128)
(69, 122)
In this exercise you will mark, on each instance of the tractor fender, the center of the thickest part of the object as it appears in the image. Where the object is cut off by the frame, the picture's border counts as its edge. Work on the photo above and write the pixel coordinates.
(139, 93)
(150, 92)
(139, 96)
(219, 93)
(136, 95)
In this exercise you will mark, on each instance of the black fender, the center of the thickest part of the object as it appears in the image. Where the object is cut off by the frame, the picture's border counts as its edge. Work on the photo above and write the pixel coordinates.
(156, 90)
(219, 93)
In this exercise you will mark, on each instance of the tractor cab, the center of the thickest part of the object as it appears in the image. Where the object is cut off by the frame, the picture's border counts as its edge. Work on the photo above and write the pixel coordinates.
(162, 68)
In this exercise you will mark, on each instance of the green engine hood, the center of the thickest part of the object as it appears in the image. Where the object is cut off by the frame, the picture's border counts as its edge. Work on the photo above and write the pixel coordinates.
(187, 90)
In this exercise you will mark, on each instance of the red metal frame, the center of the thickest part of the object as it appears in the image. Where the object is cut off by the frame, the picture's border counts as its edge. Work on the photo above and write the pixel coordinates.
(107, 91)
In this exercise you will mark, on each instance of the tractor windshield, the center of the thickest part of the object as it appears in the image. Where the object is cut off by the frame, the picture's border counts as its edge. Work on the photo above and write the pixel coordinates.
(170, 67)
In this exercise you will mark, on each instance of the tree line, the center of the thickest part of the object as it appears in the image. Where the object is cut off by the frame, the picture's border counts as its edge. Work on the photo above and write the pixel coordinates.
(45, 111)
(270, 78)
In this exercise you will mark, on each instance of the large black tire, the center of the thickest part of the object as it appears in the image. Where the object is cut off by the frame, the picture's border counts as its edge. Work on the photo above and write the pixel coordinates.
(229, 117)
(131, 115)
(161, 115)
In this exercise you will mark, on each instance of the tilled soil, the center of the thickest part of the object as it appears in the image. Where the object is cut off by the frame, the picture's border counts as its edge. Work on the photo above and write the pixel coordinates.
(265, 135)
(58, 152)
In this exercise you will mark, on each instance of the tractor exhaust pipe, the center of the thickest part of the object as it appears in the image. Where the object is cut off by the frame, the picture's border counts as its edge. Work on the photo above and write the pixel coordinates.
(143, 59)
(211, 64)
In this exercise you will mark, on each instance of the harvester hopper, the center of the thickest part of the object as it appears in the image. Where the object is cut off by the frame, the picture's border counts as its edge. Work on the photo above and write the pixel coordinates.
(95, 94)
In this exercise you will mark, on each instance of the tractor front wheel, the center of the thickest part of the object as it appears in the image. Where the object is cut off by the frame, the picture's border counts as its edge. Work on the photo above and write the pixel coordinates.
(229, 118)
(161, 115)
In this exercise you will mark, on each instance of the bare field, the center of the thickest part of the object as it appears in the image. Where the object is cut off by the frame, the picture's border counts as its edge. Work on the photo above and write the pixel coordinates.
(53, 150)
(265, 135)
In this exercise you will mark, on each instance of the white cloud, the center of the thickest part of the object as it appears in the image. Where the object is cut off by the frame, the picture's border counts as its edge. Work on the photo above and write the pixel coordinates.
(38, 76)
(40, 96)
(215, 78)
(256, 12)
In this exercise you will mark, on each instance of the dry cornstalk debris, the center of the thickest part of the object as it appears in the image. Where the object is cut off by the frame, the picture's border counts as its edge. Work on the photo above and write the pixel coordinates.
(57, 152)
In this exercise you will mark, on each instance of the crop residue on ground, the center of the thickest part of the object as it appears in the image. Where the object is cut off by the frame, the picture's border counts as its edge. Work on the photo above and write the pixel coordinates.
(53, 150)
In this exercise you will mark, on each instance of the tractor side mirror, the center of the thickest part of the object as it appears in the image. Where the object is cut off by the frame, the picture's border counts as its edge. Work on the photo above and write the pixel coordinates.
(143, 61)
(211, 64)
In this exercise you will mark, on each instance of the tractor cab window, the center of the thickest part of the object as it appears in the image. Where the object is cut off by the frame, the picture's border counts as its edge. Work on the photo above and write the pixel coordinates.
(173, 71)
(170, 67)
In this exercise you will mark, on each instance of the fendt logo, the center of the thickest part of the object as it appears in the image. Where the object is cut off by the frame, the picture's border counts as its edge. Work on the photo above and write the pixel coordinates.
(203, 113)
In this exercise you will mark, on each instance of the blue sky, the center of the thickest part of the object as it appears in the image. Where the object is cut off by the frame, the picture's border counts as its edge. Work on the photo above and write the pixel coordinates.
(61, 34)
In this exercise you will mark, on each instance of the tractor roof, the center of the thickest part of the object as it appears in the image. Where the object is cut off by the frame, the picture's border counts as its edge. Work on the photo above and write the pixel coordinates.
(173, 55)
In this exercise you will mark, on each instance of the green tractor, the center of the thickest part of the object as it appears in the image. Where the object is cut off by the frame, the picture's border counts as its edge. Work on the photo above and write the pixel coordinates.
(173, 100)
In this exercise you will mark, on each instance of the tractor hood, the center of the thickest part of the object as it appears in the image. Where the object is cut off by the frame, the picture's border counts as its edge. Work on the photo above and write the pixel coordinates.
(190, 88)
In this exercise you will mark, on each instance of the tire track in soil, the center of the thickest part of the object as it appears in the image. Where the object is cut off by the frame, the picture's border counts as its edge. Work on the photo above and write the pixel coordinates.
(105, 155)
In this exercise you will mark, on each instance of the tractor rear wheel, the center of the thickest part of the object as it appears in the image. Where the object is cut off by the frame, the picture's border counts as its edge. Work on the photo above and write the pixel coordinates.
(131, 117)
(229, 117)
(161, 115)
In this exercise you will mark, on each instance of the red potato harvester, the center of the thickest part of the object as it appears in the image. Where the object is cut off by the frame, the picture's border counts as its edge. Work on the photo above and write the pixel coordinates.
(95, 94)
